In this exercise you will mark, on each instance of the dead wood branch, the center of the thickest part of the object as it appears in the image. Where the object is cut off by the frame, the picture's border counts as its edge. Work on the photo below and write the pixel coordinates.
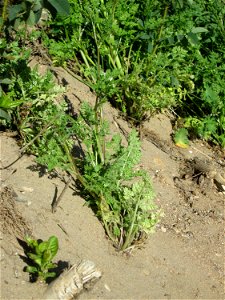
(71, 282)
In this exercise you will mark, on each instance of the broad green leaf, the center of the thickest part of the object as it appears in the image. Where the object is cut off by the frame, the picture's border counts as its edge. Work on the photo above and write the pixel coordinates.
(17, 23)
(14, 10)
(150, 47)
(47, 256)
(181, 3)
(31, 19)
(174, 81)
(34, 17)
(43, 246)
(7, 103)
(53, 245)
(37, 6)
(180, 37)
(38, 261)
(62, 6)
(199, 30)
(193, 38)
(4, 115)
(171, 40)
(37, 15)
(145, 36)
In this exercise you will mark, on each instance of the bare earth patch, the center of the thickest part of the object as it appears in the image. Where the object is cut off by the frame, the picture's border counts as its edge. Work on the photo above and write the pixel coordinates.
(183, 259)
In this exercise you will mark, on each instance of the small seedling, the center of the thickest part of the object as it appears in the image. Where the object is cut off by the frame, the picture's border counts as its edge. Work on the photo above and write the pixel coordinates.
(41, 254)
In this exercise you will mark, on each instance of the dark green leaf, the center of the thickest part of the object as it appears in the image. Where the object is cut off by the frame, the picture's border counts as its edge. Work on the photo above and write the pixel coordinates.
(31, 21)
(14, 10)
(193, 38)
(4, 115)
(17, 23)
(150, 47)
(145, 37)
(62, 6)
(38, 6)
(37, 16)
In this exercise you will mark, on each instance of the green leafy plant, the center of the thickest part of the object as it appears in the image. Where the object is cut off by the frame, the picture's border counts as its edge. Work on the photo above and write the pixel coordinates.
(145, 56)
(118, 67)
(23, 91)
(105, 171)
(41, 254)
(29, 11)
(6, 106)
(12, 64)
(125, 65)
(108, 169)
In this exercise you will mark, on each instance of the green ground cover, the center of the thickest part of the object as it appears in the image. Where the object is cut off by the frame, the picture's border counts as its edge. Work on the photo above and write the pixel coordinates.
(143, 57)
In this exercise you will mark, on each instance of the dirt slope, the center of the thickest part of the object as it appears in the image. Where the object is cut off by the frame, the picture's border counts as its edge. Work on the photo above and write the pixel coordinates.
(183, 259)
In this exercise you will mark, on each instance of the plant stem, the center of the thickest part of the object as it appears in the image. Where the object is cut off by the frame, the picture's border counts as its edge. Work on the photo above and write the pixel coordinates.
(83, 182)
(160, 31)
(128, 239)
(98, 52)
(112, 238)
(4, 13)
(75, 170)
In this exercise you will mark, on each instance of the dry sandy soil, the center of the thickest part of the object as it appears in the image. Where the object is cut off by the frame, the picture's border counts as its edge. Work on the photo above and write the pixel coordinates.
(183, 259)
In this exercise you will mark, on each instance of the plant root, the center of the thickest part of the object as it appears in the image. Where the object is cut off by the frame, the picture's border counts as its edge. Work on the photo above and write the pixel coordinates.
(71, 282)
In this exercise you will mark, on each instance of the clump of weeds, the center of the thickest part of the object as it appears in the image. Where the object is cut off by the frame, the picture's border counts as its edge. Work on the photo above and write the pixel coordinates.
(119, 193)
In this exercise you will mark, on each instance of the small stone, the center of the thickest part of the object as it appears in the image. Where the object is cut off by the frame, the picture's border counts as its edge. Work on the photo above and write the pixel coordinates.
(218, 254)
(107, 287)
(27, 189)
(163, 229)
(146, 272)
